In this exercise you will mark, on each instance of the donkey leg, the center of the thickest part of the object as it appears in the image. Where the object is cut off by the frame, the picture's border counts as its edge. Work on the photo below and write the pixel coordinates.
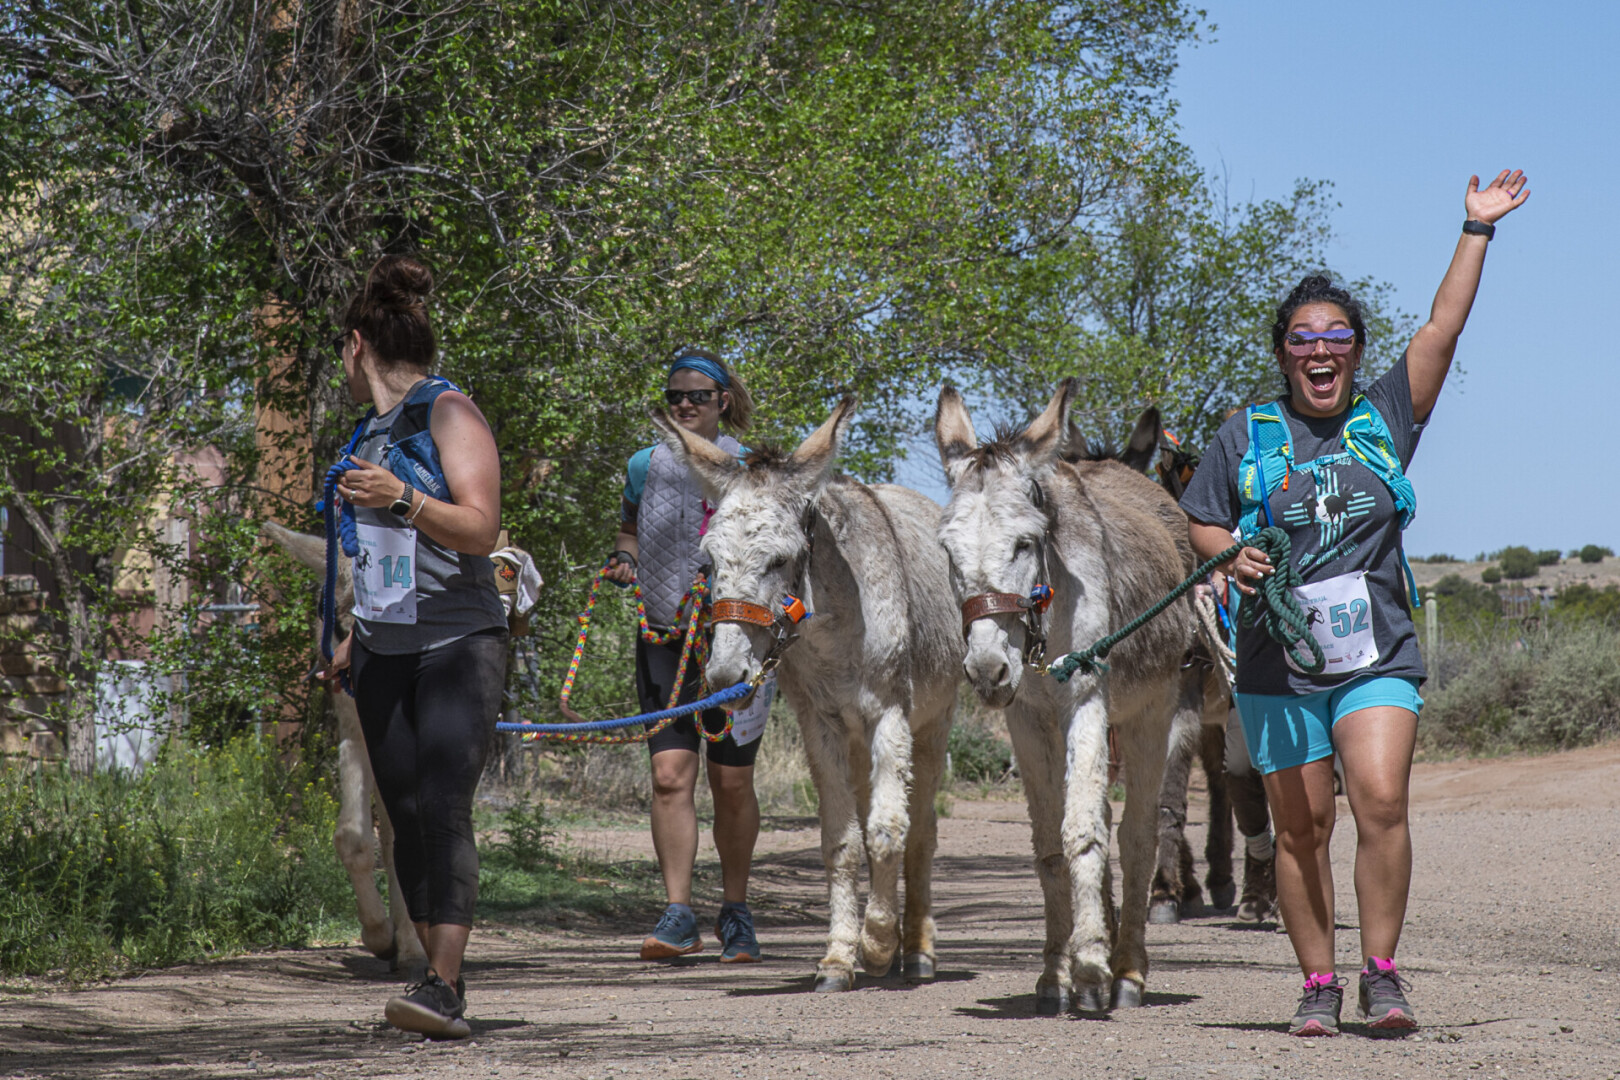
(841, 849)
(887, 822)
(1172, 876)
(1143, 743)
(1218, 843)
(355, 839)
(1040, 766)
(927, 769)
(1086, 844)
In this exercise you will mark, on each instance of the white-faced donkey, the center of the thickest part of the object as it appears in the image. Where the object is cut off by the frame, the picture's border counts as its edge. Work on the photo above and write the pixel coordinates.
(1108, 543)
(871, 674)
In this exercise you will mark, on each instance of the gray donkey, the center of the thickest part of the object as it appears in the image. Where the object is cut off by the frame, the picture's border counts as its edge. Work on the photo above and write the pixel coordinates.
(1109, 543)
(871, 674)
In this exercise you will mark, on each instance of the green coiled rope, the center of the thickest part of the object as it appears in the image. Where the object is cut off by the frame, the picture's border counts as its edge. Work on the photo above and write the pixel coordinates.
(1273, 606)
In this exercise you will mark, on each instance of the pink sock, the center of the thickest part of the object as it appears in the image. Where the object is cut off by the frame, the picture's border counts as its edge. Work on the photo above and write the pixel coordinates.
(1318, 979)
(1382, 964)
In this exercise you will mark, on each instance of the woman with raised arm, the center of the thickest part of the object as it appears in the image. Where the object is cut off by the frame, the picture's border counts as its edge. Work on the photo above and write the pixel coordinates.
(1326, 463)
(427, 658)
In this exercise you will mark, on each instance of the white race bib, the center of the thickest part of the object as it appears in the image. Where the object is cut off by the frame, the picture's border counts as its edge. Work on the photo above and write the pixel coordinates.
(385, 574)
(1339, 615)
(749, 724)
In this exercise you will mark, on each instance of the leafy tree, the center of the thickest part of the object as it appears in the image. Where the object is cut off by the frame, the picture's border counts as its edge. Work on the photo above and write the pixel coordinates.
(1592, 553)
(1463, 603)
(1518, 562)
(1549, 558)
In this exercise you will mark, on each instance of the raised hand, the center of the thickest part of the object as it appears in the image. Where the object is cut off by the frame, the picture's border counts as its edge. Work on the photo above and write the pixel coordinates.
(1498, 198)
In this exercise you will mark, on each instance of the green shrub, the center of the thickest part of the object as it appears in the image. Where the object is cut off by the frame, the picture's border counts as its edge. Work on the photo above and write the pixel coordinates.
(1582, 601)
(1441, 559)
(1466, 609)
(1491, 575)
(1517, 563)
(1549, 688)
(977, 755)
(205, 852)
(1548, 558)
(1591, 553)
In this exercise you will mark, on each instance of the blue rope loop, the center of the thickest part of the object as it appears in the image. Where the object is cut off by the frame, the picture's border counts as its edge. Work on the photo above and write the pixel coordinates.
(339, 528)
(714, 700)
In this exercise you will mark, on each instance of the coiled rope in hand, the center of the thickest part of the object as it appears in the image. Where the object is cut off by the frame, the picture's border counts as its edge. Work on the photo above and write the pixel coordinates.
(1273, 606)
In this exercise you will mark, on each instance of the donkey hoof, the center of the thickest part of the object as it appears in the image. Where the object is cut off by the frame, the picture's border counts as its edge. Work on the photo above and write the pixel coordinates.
(1091, 999)
(919, 967)
(1224, 896)
(1164, 912)
(1051, 1001)
(835, 983)
(1127, 994)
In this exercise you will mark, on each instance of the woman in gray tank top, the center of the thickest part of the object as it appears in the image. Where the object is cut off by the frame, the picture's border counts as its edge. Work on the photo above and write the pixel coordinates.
(427, 658)
(662, 519)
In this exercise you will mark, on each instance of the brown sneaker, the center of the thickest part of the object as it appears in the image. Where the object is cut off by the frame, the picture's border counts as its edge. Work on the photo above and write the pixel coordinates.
(675, 935)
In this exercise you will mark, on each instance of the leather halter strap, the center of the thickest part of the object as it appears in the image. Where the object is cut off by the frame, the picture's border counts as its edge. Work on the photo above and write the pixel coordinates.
(983, 605)
(742, 611)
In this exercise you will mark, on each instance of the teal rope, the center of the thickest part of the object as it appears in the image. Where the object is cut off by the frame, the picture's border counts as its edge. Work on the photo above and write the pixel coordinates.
(1274, 607)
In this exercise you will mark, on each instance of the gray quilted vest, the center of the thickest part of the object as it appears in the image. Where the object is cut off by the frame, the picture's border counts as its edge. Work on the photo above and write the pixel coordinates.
(667, 532)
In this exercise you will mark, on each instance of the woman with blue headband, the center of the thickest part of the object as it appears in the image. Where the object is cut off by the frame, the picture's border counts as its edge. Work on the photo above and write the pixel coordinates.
(662, 517)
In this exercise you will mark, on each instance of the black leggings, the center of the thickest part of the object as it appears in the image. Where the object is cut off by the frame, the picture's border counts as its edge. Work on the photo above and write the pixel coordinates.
(428, 718)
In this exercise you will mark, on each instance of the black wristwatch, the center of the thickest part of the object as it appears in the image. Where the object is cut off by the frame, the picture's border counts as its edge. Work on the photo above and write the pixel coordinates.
(1479, 228)
(402, 505)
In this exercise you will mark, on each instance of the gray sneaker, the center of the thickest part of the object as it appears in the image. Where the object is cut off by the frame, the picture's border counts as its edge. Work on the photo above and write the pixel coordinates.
(431, 1007)
(1382, 997)
(675, 935)
(1319, 1005)
(735, 929)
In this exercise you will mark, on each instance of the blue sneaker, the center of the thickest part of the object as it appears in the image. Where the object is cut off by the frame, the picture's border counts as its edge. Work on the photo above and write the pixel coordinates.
(735, 929)
(675, 935)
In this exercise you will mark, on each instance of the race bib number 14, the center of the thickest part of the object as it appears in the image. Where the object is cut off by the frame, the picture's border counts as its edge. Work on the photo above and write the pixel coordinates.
(385, 575)
(1339, 614)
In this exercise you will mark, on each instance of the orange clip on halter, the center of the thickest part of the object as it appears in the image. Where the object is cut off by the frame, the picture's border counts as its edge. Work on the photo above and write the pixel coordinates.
(794, 609)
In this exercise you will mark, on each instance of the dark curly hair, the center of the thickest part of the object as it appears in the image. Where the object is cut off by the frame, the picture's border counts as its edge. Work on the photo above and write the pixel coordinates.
(1318, 289)
(390, 311)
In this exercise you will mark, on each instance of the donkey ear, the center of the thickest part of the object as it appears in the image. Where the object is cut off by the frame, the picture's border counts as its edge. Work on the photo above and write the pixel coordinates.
(953, 432)
(1045, 435)
(1144, 442)
(815, 455)
(714, 468)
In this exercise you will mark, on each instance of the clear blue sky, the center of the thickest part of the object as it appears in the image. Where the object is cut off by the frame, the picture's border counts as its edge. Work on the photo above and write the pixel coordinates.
(1397, 103)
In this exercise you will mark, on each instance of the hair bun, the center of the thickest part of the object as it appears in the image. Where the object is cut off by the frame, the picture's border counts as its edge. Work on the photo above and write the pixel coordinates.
(399, 279)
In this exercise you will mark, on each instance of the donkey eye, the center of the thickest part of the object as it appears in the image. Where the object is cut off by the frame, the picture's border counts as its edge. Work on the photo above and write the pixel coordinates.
(1022, 547)
(777, 563)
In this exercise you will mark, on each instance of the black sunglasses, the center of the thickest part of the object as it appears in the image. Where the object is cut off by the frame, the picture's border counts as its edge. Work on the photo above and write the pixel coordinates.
(696, 397)
(338, 341)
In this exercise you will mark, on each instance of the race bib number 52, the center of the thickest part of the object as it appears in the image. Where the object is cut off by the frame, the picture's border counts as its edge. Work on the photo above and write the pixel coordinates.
(385, 575)
(1339, 614)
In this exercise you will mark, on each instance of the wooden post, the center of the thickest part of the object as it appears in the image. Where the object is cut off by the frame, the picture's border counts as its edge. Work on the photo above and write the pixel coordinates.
(1431, 627)
(170, 591)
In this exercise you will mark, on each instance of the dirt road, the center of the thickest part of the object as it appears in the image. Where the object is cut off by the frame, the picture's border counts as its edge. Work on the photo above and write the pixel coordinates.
(1513, 945)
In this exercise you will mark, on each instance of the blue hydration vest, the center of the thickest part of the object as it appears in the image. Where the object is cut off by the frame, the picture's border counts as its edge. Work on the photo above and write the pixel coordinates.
(410, 453)
(1270, 459)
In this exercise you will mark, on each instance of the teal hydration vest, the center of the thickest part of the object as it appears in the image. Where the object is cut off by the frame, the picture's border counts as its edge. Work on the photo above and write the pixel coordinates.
(1269, 460)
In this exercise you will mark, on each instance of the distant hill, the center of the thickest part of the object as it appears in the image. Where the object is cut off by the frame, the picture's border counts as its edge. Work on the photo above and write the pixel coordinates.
(1555, 577)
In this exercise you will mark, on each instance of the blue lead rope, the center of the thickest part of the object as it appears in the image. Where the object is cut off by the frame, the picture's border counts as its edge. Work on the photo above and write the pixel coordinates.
(339, 526)
(720, 697)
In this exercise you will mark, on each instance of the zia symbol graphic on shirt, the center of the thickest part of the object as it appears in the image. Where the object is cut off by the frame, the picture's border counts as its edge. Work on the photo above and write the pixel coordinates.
(1333, 509)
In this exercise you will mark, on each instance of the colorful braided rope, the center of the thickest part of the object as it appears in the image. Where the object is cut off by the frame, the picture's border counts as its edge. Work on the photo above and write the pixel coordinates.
(695, 605)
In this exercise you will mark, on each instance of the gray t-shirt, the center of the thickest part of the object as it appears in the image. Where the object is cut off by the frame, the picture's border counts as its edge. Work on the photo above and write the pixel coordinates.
(455, 592)
(1340, 518)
